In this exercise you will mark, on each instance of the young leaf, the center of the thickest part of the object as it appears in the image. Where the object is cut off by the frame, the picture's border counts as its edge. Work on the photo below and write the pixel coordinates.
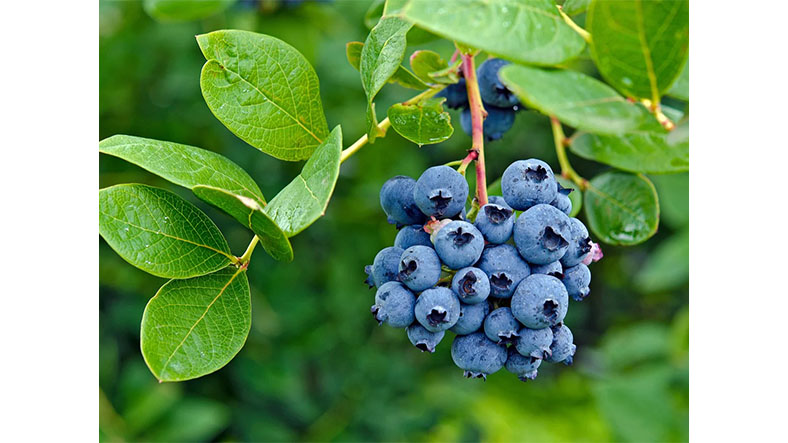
(574, 7)
(576, 196)
(264, 91)
(306, 198)
(160, 233)
(193, 327)
(680, 88)
(425, 62)
(622, 208)
(639, 46)
(380, 59)
(424, 123)
(184, 10)
(402, 76)
(574, 98)
(524, 31)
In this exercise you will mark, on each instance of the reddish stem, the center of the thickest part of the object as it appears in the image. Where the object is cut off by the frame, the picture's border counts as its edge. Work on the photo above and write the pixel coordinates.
(477, 124)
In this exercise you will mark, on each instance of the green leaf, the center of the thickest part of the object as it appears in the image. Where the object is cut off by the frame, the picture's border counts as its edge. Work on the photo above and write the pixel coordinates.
(576, 196)
(524, 31)
(264, 91)
(184, 10)
(306, 198)
(425, 62)
(381, 56)
(403, 77)
(622, 208)
(574, 98)
(639, 46)
(575, 7)
(424, 123)
(643, 151)
(193, 327)
(373, 13)
(673, 191)
(160, 233)
(667, 266)
(680, 88)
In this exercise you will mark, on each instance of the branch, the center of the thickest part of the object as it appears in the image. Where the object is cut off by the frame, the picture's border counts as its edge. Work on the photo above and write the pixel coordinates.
(477, 123)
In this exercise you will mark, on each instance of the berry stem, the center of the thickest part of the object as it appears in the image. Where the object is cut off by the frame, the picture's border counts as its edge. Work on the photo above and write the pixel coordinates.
(477, 124)
(568, 20)
(656, 109)
(472, 155)
(560, 150)
(244, 259)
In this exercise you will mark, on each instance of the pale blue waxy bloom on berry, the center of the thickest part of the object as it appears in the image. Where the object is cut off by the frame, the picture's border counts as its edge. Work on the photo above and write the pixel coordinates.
(396, 199)
(394, 305)
(424, 339)
(524, 367)
(561, 200)
(471, 318)
(540, 301)
(495, 222)
(501, 326)
(535, 342)
(385, 267)
(437, 309)
(471, 285)
(412, 235)
(563, 349)
(576, 280)
(459, 244)
(554, 268)
(579, 244)
(496, 124)
(504, 267)
(456, 95)
(491, 88)
(419, 268)
(542, 234)
(477, 355)
(526, 183)
(441, 192)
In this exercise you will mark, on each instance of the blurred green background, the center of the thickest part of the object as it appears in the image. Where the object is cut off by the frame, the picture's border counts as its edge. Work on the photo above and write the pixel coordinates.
(316, 366)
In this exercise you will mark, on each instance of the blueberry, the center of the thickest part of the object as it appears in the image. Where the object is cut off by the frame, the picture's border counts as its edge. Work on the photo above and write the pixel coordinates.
(396, 199)
(525, 368)
(576, 279)
(385, 267)
(394, 305)
(437, 309)
(456, 95)
(419, 268)
(495, 222)
(471, 318)
(504, 267)
(497, 122)
(441, 192)
(561, 200)
(563, 350)
(553, 268)
(526, 183)
(459, 244)
(540, 301)
(411, 236)
(498, 200)
(579, 243)
(477, 355)
(471, 285)
(535, 342)
(491, 88)
(501, 326)
(542, 234)
(424, 339)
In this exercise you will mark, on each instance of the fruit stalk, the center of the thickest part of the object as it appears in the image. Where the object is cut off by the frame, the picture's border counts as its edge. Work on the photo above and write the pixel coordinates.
(560, 149)
(477, 123)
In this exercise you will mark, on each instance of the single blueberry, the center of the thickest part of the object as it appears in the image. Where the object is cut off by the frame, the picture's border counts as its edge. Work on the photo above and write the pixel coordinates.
(542, 234)
(385, 267)
(424, 339)
(535, 342)
(540, 301)
(501, 326)
(525, 368)
(495, 222)
(576, 279)
(497, 122)
(396, 199)
(504, 267)
(477, 355)
(491, 88)
(411, 236)
(561, 200)
(563, 350)
(459, 244)
(419, 268)
(579, 243)
(553, 268)
(437, 309)
(456, 95)
(394, 305)
(471, 285)
(498, 200)
(441, 192)
(526, 183)
(471, 318)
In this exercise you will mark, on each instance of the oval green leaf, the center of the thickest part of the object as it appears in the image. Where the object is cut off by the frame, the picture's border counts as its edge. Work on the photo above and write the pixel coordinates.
(574, 98)
(193, 327)
(680, 88)
(576, 196)
(423, 123)
(425, 62)
(264, 91)
(306, 198)
(160, 233)
(402, 77)
(639, 46)
(525, 31)
(622, 208)
(184, 10)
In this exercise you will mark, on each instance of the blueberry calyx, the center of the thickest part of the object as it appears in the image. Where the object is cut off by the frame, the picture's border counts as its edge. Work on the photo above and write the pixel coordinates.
(472, 374)
(552, 240)
(500, 280)
(437, 316)
(374, 310)
(441, 198)
(584, 245)
(508, 338)
(460, 237)
(550, 309)
(467, 282)
(537, 173)
(497, 214)
(408, 267)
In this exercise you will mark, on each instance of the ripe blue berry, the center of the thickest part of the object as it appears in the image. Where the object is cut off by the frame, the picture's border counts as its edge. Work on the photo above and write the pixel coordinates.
(561, 200)
(498, 200)
(563, 350)
(477, 355)
(525, 368)
(394, 305)
(419, 268)
(456, 95)
(471, 285)
(553, 268)
(441, 192)
(579, 243)
(526, 183)
(491, 88)
(576, 279)
(540, 301)
(471, 318)
(424, 339)
(497, 122)
(396, 199)
(411, 236)
(501, 326)
(542, 234)
(504, 267)
(385, 267)
(495, 222)
(437, 309)
(459, 244)
(535, 342)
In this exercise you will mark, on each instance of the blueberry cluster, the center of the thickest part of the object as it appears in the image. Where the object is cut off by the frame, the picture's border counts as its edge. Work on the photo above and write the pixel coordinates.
(501, 284)
(499, 102)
